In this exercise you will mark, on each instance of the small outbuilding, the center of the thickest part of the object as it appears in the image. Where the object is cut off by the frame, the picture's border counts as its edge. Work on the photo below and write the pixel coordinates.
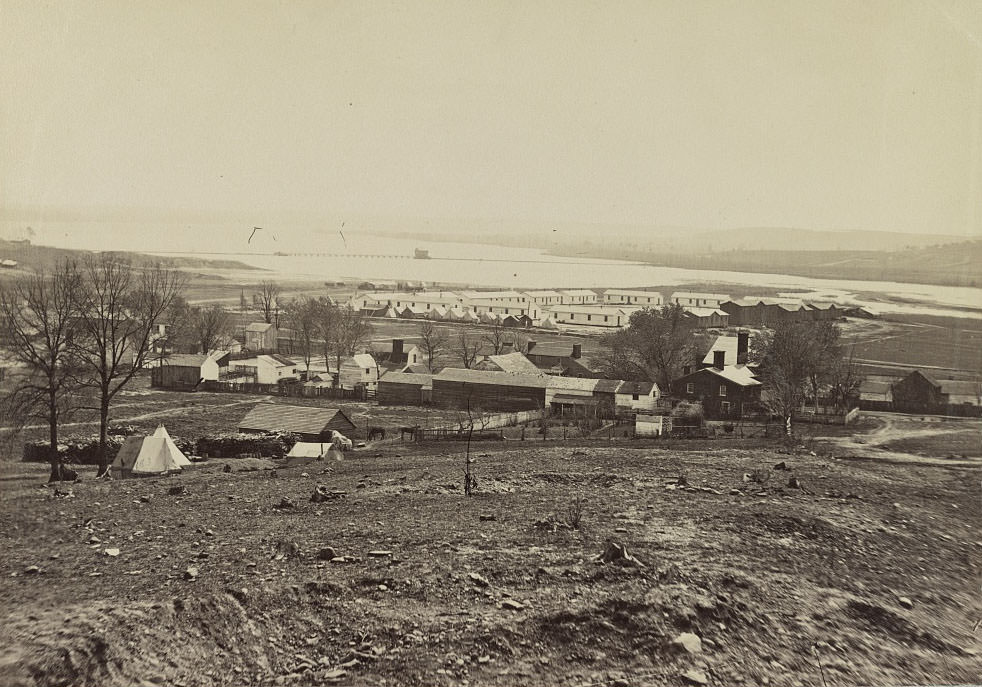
(312, 424)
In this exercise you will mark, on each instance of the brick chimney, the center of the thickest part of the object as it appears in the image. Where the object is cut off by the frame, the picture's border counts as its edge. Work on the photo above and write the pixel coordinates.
(719, 359)
(396, 347)
(529, 346)
(743, 346)
(577, 351)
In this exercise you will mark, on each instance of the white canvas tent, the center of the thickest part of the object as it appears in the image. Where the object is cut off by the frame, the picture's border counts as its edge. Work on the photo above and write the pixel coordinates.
(305, 451)
(148, 456)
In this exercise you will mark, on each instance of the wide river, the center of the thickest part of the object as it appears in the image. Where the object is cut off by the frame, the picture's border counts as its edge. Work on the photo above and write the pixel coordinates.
(315, 255)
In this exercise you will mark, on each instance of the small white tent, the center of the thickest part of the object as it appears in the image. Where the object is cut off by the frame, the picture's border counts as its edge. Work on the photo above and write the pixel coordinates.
(149, 456)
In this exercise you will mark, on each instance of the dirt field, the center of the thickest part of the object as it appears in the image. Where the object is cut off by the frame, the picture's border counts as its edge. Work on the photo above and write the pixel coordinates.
(948, 343)
(868, 575)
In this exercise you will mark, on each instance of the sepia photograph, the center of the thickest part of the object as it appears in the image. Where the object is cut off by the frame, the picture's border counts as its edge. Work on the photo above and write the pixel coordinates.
(519, 342)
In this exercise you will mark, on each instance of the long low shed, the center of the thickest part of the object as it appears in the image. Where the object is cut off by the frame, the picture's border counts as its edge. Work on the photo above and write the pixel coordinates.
(403, 388)
(501, 391)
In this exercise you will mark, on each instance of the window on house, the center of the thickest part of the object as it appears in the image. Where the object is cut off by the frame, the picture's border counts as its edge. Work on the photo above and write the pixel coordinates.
(690, 388)
(634, 397)
(724, 407)
(606, 318)
(589, 317)
(368, 370)
(506, 311)
(572, 316)
(722, 390)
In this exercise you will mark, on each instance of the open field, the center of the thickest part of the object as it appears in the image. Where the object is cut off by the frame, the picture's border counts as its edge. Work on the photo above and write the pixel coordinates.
(949, 343)
(191, 415)
(865, 577)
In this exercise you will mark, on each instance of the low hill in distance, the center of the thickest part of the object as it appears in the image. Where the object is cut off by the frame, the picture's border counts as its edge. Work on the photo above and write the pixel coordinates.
(31, 257)
(948, 265)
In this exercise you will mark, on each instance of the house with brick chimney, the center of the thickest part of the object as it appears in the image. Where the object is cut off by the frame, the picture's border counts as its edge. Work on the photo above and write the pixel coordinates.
(726, 388)
(561, 359)
(397, 354)
(736, 349)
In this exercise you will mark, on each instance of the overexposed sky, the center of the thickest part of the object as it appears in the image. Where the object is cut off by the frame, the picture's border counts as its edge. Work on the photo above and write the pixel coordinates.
(812, 114)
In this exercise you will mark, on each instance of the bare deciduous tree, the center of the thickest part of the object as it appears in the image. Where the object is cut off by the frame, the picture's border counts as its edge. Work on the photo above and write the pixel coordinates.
(36, 319)
(352, 330)
(267, 300)
(496, 335)
(467, 347)
(433, 341)
(212, 326)
(786, 356)
(118, 307)
(302, 316)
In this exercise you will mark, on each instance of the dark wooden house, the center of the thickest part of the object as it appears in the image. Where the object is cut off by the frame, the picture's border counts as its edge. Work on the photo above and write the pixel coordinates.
(727, 392)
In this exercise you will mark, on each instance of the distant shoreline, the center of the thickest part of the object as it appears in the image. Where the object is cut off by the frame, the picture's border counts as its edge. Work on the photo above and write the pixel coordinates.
(854, 265)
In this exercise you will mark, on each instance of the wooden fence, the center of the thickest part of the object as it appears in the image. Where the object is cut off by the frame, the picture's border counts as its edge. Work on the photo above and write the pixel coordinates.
(484, 422)
(289, 390)
(809, 416)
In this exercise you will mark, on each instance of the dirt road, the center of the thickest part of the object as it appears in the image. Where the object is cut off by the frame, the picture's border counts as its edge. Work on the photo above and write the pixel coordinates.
(896, 429)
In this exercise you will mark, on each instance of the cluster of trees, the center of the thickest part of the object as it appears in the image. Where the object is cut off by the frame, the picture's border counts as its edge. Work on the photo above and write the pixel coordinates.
(319, 326)
(80, 332)
(464, 345)
(655, 346)
(796, 359)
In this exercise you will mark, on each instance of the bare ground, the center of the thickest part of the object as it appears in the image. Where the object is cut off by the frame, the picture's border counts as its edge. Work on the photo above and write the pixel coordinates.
(868, 575)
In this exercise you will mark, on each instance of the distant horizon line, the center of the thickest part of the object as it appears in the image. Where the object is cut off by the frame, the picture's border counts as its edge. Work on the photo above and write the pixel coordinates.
(433, 224)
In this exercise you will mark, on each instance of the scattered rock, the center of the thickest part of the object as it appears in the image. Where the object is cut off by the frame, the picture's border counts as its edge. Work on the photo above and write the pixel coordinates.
(618, 553)
(479, 580)
(32, 570)
(322, 494)
(191, 573)
(512, 605)
(112, 552)
(379, 553)
(689, 641)
(286, 504)
(487, 518)
(179, 490)
(905, 602)
(327, 554)
(227, 468)
(781, 466)
(144, 499)
(695, 677)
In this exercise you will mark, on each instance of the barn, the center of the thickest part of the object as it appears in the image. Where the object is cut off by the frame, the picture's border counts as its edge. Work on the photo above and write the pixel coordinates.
(496, 391)
(311, 424)
(404, 388)
(186, 371)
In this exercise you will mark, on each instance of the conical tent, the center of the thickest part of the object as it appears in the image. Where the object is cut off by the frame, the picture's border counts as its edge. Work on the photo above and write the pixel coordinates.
(178, 457)
(148, 456)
